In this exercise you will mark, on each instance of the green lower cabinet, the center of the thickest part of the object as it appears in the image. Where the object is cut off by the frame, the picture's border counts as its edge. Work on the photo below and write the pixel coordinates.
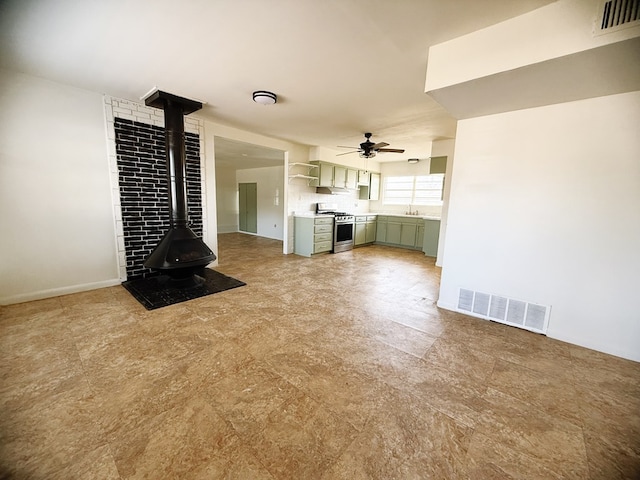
(365, 230)
(370, 233)
(312, 235)
(408, 235)
(360, 236)
(394, 232)
(407, 232)
(381, 232)
(420, 236)
(431, 237)
(402, 232)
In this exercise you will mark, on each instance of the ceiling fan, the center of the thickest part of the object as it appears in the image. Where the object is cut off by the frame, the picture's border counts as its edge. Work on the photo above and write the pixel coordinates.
(368, 149)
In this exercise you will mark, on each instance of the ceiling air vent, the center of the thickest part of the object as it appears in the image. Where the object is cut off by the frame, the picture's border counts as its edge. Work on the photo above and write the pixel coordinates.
(616, 14)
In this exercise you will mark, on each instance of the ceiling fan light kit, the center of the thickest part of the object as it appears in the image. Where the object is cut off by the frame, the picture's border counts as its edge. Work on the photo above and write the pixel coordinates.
(368, 149)
(264, 97)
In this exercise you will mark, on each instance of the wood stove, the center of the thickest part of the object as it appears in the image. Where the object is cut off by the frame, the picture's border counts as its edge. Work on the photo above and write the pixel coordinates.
(181, 254)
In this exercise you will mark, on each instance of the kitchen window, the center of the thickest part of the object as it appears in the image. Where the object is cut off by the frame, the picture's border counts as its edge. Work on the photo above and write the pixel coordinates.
(413, 190)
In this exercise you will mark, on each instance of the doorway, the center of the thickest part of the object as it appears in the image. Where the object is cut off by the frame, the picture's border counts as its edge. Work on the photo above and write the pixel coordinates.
(248, 207)
(238, 162)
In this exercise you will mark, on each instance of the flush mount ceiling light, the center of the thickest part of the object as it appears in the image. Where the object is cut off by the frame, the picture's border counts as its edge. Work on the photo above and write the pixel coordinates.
(413, 160)
(264, 98)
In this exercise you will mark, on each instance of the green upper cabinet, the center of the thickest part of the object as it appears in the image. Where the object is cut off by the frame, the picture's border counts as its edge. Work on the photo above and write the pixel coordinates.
(372, 191)
(374, 186)
(438, 165)
(352, 179)
(332, 175)
(325, 177)
(363, 178)
(339, 176)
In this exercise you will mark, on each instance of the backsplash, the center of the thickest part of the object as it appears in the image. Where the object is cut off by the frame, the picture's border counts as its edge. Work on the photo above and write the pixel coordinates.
(303, 199)
(423, 210)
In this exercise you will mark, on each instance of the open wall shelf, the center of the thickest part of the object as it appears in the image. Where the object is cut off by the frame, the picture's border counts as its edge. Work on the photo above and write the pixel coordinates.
(303, 170)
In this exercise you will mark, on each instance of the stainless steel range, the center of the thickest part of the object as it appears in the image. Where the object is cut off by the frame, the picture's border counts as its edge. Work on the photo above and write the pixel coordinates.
(343, 226)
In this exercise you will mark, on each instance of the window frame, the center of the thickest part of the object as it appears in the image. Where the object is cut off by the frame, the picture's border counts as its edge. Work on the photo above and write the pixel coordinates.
(414, 193)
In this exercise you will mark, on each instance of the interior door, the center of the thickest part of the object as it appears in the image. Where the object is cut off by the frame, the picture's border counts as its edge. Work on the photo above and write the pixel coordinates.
(248, 206)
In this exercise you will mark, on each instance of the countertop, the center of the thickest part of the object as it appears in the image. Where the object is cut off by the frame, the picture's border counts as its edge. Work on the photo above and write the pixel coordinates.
(315, 215)
(310, 215)
(424, 217)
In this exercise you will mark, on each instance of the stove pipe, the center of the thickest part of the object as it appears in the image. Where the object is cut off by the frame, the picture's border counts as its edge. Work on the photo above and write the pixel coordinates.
(181, 253)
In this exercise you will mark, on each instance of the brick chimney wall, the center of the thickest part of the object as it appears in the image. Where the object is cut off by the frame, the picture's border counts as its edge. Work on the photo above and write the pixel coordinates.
(138, 167)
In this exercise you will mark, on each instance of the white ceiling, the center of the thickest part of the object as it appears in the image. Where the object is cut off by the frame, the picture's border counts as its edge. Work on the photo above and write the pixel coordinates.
(241, 155)
(339, 67)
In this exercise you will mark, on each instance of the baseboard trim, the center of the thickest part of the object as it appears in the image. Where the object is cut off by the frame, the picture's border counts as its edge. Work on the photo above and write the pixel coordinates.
(572, 340)
(614, 350)
(57, 292)
(227, 228)
(447, 306)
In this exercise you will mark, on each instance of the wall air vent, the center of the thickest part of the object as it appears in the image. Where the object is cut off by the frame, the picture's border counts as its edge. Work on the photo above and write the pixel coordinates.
(517, 313)
(616, 14)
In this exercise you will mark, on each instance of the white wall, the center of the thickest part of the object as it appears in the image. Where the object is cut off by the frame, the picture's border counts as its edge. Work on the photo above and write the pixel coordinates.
(444, 148)
(269, 182)
(56, 195)
(58, 228)
(545, 208)
(561, 28)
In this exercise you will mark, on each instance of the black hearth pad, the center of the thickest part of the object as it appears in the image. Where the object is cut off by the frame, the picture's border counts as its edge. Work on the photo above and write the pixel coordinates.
(155, 292)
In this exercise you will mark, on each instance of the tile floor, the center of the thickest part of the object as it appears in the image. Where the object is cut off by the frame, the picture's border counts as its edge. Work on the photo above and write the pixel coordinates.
(336, 367)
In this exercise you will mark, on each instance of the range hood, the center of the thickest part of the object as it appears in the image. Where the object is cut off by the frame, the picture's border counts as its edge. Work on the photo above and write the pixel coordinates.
(333, 190)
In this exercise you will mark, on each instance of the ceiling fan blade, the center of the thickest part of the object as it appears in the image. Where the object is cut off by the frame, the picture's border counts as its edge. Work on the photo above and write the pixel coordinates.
(342, 146)
(380, 145)
(347, 153)
(391, 150)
